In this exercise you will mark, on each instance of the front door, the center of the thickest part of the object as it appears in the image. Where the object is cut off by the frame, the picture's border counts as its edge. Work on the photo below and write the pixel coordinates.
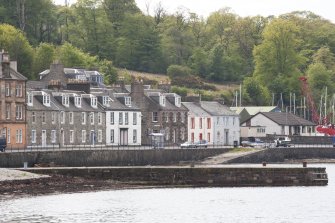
(44, 138)
(123, 137)
(92, 137)
(226, 140)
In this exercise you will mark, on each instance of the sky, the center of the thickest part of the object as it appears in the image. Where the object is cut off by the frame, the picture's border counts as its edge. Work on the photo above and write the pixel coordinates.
(241, 7)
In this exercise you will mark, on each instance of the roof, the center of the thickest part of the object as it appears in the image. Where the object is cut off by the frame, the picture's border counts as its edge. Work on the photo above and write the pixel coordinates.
(195, 108)
(289, 119)
(216, 109)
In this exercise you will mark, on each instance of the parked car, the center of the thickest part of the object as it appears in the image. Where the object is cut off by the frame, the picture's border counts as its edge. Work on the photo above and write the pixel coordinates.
(3, 144)
(187, 145)
(201, 143)
(283, 141)
(253, 142)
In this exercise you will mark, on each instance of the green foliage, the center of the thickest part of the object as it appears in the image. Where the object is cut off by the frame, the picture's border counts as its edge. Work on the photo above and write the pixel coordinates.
(109, 72)
(14, 41)
(182, 91)
(254, 92)
(191, 81)
(44, 56)
(319, 78)
(178, 71)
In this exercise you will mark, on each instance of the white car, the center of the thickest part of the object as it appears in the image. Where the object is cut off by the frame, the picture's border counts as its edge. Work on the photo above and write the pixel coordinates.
(283, 141)
(187, 145)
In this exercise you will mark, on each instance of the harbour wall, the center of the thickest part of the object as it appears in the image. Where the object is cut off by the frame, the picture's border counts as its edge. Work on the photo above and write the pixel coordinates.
(77, 158)
(198, 176)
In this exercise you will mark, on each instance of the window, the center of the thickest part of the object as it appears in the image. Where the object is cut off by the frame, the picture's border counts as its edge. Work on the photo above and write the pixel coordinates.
(200, 123)
(134, 136)
(8, 135)
(134, 118)
(155, 116)
(162, 100)
(53, 117)
(260, 130)
(174, 117)
(30, 99)
(192, 123)
(99, 135)
(83, 136)
(83, 118)
(92, 118)
(127, 101)
(126, 118)
(8, 111)
(112, 118)
(71, 136)
(182, 116)
(62, 117)
(65, 100)
(208, 123)
(178, 101)
(46, 99)
(192, 137)
(33, 117)
(43, 117)
(77, 101)
(120, 118)
(200, 136)
(19, 136)
(71, 117)
(19, 112)
(208, 137)
(99, 118)
(182, 134)
(33, 136)
(53, 136)
(18, 90)
(7, 89)
(105, 101)
(167, 134)
(112, 136)
(166, 117)
(94, 102)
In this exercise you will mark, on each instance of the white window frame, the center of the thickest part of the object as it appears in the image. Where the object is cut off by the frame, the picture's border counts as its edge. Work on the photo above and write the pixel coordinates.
(65, 100)
(83, 118)
(62, 117)
(174, 117)
(94, 102)
(120, 118)
(53, 136)
(8, 135)
(46, 100)
(7, 90)
(19, 136)
(162, 100)
(105, 101)
(53, 117)
(134, 118)
(178, 101)
(33, 136)
(83, 136)
(18, 90)
(126, 118)
(92, 118)
(71, 136)
(112, 118)
(127, 101)
(99, 118)
(77, 101)
(134, 136)
(71, 118)
(112, 136)
(154, 116)
(30, 99)
(19, 112)
(8, 112)
(99, 135)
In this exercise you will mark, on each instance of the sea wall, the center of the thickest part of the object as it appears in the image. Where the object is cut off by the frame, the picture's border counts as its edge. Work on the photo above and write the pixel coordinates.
(198, 176)
(282, 154)
(78, 158)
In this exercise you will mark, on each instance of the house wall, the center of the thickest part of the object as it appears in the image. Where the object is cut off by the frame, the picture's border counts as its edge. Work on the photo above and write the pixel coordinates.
(223, 125)
(260, 121)
(197, 130)
(117, 126)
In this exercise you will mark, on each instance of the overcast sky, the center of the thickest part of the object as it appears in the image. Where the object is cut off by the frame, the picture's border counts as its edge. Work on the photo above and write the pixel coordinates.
(324, 8)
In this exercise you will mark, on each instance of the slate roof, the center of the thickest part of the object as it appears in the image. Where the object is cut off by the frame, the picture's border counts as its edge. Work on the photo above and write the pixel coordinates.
(216, 109)
(253, 110)
(288, 119)
(194, 107)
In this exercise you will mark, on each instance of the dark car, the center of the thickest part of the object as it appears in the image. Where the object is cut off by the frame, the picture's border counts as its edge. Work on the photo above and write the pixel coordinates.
(3, 144)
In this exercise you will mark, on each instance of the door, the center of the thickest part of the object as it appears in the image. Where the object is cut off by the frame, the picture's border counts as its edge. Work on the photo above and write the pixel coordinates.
(44, 138)
(226, 133)
(92, 137)
(123, 137)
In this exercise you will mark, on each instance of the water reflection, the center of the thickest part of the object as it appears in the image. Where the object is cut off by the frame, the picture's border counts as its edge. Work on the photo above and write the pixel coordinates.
(262, 204)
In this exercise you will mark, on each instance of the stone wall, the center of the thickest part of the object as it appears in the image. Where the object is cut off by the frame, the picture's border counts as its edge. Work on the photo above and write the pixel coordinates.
(106, 157)
(198, 176)
(279, 155)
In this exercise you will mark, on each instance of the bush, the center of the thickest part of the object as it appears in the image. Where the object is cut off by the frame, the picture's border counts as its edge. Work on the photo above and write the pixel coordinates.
(178, 71)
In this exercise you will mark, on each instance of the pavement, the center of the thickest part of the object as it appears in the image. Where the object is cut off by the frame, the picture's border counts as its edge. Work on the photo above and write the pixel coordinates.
(11, 174)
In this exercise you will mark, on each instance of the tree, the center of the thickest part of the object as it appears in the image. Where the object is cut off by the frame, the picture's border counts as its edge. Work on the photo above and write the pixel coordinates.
(178, 71)
(326, 57)
(109, 72)
(319, 78)
(44, 56)
(254, 92)
(278, 54)
(14, 41)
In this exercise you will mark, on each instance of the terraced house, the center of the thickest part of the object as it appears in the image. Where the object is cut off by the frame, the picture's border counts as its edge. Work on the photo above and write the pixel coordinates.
(12, 103)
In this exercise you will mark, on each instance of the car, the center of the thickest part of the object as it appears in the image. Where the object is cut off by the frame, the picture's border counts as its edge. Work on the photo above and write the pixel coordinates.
(3, 144)
(201, 143)
(253, 142)
(187, 145)
(283, 141)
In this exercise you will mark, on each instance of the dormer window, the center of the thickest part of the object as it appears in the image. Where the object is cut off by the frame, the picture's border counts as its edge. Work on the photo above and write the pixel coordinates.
(65, 100)
(94, 102)
(162, 100)
(46, 100)
(30, 99)
(105, 101)
(177, 101)
(127, 101)
(77, 101)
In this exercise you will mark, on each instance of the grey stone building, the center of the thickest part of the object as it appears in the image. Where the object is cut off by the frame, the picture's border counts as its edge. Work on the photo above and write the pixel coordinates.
(161, 113)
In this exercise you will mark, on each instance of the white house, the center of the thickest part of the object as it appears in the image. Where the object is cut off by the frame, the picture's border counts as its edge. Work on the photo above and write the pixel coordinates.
(123, 120)
(212, 121)
(279, 123)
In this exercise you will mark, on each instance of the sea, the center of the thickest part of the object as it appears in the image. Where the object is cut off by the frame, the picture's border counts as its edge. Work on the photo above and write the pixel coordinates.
(184, 205)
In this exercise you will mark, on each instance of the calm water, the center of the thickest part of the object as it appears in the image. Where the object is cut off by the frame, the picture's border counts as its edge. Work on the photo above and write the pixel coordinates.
(210, 205)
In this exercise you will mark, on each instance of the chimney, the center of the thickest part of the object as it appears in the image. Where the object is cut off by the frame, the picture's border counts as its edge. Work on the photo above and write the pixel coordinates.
(137, 88)
(5, 65)
(57, 68)
(13, 65)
